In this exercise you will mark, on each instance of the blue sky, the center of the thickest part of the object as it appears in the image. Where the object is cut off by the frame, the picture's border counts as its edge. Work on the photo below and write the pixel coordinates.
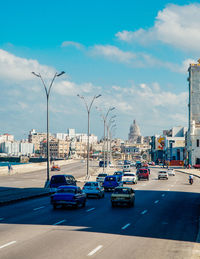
(134, 53)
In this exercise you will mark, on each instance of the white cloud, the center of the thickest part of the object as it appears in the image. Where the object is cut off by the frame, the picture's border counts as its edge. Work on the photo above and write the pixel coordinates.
(73, 44)
(112, 53)
(175, 25)
(16, 69)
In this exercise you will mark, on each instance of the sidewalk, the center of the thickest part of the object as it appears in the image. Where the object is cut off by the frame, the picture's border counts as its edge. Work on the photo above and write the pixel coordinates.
(194, 172)
(10, 195)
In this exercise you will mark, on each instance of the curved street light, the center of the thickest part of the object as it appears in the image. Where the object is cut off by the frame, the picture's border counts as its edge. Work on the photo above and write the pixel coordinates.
(47, 91)
(88, 108)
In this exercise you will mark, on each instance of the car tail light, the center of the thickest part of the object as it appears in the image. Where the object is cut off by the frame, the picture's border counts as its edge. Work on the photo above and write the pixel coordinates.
(97, 188)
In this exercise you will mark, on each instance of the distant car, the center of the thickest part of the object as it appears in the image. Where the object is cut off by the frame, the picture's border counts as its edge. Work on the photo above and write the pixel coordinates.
(119, 173)
(197, 166)
(129, 178)
(100, 178)
(101, 163)
(68, 196)
(171, 172)
(162, 175)
(93, 189)
(143, 173)
(126, 168)
(123, 195)
(111, 182)
(55, 168)
(62, 179)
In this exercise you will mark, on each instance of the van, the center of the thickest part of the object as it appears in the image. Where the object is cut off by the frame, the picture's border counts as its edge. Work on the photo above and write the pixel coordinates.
(62, 179)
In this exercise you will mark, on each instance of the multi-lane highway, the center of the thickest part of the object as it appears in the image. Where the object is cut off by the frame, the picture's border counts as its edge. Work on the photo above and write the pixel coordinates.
(163, 224)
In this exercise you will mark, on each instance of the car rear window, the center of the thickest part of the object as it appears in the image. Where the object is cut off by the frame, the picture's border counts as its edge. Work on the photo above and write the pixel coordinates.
(122, 191)
(143, 171)
(91, 184)
(57, 179)
(129, 174)
(102, 175)
(66, 190)
(162, 172)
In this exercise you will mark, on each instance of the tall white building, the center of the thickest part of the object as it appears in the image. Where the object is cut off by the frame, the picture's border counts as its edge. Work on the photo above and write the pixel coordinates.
(193, 135)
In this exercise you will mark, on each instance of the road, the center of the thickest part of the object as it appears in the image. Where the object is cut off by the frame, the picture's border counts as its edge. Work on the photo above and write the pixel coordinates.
(37, 178)
(163, 224)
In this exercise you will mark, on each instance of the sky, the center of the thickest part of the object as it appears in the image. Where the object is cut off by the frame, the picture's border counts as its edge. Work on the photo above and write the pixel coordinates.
(134, 53)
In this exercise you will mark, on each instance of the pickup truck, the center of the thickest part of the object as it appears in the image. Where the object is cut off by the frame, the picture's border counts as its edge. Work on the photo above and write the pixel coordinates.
(143, 173)
(111, 182)
(68, 196)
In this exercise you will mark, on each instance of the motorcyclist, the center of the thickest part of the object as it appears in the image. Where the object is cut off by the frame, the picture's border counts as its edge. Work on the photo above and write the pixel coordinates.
(191, 178)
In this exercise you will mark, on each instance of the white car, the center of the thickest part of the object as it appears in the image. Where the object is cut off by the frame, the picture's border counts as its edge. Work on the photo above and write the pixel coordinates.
(162, 175)
(171, 172)
(100, 178)
(93, 189)
(126, 168)
(129, 178)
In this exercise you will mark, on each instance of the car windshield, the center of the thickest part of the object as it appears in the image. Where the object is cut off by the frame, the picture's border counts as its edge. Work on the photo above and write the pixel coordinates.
(102, 175)
(162, 172)
(122, 191)
(66, 190)
(110, 179)
(91, 184)
(129, 174)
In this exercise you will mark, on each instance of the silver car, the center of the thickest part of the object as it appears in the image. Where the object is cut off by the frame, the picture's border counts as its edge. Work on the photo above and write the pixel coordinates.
(93, 189)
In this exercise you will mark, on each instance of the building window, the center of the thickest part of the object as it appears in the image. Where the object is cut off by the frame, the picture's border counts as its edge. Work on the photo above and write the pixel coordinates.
(197, 142)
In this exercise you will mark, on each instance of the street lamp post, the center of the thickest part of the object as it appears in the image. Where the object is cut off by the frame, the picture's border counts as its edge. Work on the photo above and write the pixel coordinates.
(47, 91)
(104, 133)
(108, 135)
(111, 135)
(88, 107)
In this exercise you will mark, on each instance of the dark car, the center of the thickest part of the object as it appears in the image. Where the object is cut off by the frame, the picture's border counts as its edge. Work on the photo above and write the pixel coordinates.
(111, 182)
(101, 163)
(68, 196)
(143, 173)
(62, 179)
(119, 173)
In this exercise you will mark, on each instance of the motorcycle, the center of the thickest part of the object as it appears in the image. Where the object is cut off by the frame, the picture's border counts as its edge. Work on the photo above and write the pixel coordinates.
(190, 180)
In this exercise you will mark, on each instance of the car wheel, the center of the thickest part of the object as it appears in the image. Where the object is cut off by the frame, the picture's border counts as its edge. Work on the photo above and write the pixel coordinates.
(113, 204)
(83, 204)
(54, 206)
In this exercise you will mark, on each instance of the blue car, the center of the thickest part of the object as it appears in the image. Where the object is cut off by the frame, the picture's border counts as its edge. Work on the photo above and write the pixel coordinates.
(68, 196)
(111, 182)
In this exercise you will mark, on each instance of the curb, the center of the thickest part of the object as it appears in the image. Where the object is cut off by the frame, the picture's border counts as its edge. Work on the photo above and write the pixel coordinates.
(187, 173)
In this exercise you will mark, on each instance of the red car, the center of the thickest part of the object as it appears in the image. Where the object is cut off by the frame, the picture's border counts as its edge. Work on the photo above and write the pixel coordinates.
(197, 166)
(55, 168)
(143, 173)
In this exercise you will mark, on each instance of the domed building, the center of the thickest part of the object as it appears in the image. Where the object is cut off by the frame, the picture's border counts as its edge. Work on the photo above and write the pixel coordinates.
(134, 135)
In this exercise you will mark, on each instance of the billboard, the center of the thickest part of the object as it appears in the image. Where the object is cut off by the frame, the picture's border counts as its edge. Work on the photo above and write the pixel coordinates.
(160, 143)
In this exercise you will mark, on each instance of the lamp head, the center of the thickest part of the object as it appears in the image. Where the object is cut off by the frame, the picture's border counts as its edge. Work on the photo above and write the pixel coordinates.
(61, 73)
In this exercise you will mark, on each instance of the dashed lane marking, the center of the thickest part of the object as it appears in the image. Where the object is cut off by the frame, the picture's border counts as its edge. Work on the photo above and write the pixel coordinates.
(90, 209)
(39, 208)
(95, 250)
(145, 211)
(163, 195)
(127, 225)
(8, 244)
(156, 201)
(1, 218)
(59, 222)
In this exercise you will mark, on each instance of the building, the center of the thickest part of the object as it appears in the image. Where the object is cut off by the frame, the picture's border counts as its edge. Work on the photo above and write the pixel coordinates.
(36, 138)
(6, 137)
(17, 148)
(134, 135)
(193, 135)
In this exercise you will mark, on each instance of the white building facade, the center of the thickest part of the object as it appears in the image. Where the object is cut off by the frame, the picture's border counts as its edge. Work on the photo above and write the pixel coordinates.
(193, 135)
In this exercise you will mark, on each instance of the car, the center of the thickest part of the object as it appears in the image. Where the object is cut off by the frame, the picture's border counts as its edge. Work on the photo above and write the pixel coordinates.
(123, 195)
(143, 173)
(171, 172)
(101, 163)
(93, 189)
(162, 175)
(68, 196)
(126, 168)
(55, 168)
(111, 182)
(129, 178)
(197, 166)
(62, 179)
(100, 178)
(119, 173)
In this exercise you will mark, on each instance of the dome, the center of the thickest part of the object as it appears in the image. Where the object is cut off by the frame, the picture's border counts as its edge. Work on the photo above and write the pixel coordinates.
(134, 132)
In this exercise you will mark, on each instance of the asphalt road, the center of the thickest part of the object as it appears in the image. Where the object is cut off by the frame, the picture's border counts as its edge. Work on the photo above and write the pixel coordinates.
(163, 224)
(37, 178)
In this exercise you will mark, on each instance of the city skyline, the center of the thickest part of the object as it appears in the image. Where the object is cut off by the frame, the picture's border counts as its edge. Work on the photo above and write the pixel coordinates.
(119, 50)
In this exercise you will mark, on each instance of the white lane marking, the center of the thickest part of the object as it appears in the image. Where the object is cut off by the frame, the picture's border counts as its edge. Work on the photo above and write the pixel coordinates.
(95, 250)
(163, 195)
(127, 225)
(90, 209)
(156, 201)
(39, 208)
(8, 244)
(145, 211)
(1, 218)
(59, 222)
